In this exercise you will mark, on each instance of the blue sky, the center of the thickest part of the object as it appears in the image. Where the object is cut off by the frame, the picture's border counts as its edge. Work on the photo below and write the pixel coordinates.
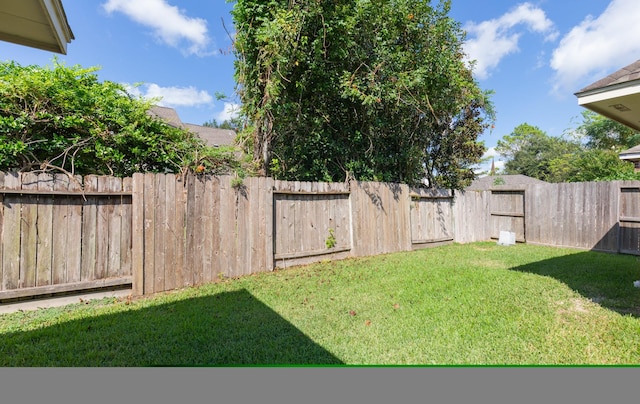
(534, 55)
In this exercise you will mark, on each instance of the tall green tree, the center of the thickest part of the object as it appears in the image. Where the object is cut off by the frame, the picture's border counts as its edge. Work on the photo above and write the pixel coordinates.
(59, 118)
(530, 151)
(600, 132)
(370, 88)
(592, 165)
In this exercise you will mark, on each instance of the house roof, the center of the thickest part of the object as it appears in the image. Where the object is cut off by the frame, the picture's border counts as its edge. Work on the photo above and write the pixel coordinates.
(212, 136)
(40, 24)
(630, 154)
(616, 96)
(489, 182)
(169, 115)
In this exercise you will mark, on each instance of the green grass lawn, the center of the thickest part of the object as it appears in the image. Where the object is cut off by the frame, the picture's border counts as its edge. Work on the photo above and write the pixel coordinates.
(475, 304)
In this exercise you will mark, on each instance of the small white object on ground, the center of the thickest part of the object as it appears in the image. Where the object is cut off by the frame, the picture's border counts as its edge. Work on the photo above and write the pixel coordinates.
(636, 284)
(507, 238)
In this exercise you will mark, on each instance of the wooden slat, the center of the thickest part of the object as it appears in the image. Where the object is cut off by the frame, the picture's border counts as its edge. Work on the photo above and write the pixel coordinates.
(44, 229)
(180, 238)
(207, 230)
(102, 231)
(138, 236)
(73, 259)
(60, 224)
(12, 228)
(191, 231)
(171, 236)
(159, 230)
(76, 192)
(89, 225)
(64, 288)
(29, 233)
(114, 211)
(149, 233)
(126, 229)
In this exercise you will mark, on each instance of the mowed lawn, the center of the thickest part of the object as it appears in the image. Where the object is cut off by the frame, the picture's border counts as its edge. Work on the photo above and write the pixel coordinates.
(474, 304)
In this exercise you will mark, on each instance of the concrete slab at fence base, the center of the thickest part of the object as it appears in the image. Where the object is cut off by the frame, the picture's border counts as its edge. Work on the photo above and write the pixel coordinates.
(43, 303)
(507, 238)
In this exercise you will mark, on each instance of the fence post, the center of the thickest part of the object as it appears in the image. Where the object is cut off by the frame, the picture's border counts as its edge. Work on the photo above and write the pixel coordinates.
(137, 242)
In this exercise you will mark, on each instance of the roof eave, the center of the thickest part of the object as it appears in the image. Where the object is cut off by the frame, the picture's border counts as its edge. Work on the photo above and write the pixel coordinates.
(59, 24)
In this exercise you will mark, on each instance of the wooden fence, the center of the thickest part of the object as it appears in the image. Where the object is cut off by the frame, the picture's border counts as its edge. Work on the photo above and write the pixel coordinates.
(55, 238)
(158, 232)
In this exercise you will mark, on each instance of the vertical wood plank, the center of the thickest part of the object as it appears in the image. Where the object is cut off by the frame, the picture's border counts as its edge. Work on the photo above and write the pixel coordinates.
(138, 235)
(190, 228)
(44, 230)
(60, 224)
(89, 225)
(206, 235)
(12, 228)
(73, 260)
(180, 208)
(126, 229)
(149, 233)
(269, 225)
(103, 211)
(159, 230)
(172, 234)
(216, 268)
(29, 233)
(115, 232)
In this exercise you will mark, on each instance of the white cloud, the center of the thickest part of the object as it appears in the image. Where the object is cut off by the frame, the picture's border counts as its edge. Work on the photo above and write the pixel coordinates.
(598, 45)
(488, 42)
(230, 111)
(171, 96)
(169, 23)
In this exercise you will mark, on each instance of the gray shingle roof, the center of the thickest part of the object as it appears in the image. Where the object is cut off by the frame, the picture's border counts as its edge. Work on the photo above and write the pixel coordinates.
(624, 75)
(488, 182)
(212, 136)
(169, 115)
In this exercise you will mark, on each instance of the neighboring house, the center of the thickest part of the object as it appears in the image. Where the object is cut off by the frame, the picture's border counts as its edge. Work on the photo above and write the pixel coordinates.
(491, 181)
(617, 97)
(40, 24)
(212, 136)
(632, 155)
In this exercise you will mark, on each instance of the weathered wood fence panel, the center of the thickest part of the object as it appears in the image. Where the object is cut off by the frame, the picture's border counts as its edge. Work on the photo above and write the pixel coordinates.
(56, 238)
(310, 220)
(161, 232)
(579, 215)
(380, 217)
(629, 217)
(431, 214)
(471, 216)
(508, 213)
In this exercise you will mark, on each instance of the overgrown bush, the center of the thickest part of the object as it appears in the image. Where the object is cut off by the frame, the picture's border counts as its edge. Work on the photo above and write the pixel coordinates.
(59, 118)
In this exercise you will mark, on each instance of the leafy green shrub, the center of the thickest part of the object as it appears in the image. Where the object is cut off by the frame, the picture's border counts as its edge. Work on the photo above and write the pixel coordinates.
(63, 118)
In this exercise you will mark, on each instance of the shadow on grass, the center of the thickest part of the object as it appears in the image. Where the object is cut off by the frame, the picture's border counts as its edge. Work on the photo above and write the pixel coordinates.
(226, 329)
(604, 278)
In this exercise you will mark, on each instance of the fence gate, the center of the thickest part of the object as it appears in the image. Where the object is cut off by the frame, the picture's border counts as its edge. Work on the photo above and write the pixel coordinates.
(629, 219)
(507, 213)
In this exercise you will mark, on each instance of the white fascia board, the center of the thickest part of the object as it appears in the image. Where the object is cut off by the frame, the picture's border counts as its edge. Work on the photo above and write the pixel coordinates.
(58, 23)
(608, 93)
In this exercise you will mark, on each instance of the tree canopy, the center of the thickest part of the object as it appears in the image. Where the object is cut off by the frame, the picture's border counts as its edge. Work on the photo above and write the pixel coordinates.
(60, 118)
(374, 89)
(530, 151)
(591, 156)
